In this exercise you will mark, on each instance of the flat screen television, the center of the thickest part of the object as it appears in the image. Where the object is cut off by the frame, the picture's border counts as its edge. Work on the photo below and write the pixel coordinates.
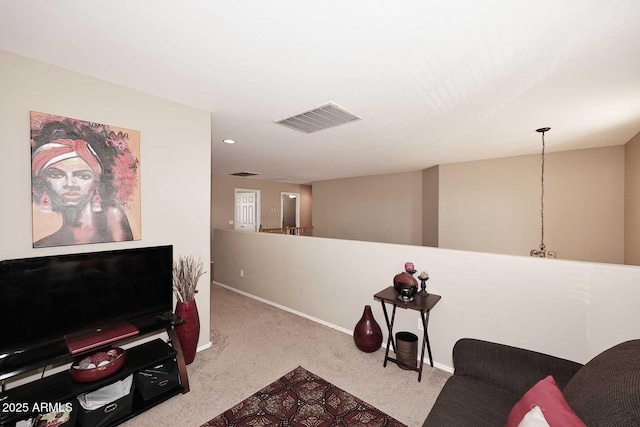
(44, 300)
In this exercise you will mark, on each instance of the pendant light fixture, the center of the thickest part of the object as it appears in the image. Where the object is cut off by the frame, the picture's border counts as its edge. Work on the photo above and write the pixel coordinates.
(542, 252)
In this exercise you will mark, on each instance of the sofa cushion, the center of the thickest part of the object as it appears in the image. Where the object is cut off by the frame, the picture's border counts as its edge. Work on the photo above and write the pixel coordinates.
(549, 398)
(606, 391)
(467, 401)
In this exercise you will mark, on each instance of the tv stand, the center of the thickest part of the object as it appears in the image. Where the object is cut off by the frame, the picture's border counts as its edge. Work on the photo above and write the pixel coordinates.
(100, 338)
(60, 389)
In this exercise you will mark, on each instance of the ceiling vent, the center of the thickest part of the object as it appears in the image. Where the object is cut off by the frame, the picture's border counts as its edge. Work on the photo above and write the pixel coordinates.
(323, 117)
(244, 174)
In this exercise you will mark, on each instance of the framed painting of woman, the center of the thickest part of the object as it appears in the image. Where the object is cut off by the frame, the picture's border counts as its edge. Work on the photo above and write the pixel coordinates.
(85, 182)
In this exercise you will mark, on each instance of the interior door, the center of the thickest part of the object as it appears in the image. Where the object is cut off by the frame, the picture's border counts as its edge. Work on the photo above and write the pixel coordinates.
(290, 209)
(246, 212)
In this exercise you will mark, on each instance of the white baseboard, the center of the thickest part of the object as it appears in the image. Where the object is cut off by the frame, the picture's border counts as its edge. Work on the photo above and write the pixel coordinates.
(282, 307)
(442, 367)
(204, 347)
(315, 319)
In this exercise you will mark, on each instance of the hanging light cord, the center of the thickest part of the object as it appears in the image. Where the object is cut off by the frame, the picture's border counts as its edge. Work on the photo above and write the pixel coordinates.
(542, 199)
(543, 253)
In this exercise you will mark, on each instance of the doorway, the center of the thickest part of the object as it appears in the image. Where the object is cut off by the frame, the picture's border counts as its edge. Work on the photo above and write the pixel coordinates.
(290, 209)
(247, 209)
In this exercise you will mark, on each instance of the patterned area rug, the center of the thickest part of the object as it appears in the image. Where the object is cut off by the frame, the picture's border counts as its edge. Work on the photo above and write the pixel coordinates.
(302, 399)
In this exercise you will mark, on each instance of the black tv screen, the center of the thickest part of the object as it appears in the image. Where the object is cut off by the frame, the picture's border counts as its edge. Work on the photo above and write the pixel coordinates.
(44, 299)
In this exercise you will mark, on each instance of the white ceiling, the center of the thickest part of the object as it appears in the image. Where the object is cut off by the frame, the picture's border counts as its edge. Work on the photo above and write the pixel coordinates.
(435, 81)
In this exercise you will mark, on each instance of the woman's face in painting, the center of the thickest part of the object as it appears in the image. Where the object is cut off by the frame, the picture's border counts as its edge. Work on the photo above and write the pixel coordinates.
(71, 181)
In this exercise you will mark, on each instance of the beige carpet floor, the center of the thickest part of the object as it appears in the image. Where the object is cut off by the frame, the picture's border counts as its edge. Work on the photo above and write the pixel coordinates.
(254, 344)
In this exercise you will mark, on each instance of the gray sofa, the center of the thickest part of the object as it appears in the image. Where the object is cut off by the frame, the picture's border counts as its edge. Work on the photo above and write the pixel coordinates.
(491, 378)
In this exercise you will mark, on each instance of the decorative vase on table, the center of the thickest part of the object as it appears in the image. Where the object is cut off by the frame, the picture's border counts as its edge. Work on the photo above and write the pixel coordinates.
(367, 334)
(405, 285)
(189, 330)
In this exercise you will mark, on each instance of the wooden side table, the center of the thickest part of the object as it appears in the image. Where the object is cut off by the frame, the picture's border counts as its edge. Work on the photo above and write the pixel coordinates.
(419, 303)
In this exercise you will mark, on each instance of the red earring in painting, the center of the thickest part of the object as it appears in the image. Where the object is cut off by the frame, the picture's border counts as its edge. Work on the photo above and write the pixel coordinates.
(45, 203)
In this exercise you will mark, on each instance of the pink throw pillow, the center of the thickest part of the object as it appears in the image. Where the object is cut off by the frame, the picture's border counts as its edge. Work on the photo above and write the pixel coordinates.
(549, 398)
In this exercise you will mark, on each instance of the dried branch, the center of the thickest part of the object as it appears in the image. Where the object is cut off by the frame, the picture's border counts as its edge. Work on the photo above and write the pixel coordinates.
(186, 273)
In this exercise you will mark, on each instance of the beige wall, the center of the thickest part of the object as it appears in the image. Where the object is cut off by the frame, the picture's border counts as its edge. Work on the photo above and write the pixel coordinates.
(487, 206)
(494, 205)
(632, 202)
(223, 200)
(567, 308)
(175, 174)
(382, 208)
(306, 195)
(430, 205)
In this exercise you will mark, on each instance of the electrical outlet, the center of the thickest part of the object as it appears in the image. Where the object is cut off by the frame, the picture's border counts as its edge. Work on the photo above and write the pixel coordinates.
(420, 328)
(241, 273)
(230, 222)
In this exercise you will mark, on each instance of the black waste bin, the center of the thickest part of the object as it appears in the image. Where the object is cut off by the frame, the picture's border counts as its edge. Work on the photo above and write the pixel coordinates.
(407, 349)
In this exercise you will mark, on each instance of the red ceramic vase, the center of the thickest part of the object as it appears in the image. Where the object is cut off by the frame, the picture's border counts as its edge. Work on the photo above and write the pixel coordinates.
(367, 334)
(189, 330)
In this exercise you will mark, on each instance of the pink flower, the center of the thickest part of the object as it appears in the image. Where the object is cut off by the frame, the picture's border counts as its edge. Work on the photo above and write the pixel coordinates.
(125, 167)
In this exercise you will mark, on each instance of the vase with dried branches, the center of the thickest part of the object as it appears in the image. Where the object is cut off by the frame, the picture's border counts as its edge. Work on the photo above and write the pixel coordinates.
(186, 273)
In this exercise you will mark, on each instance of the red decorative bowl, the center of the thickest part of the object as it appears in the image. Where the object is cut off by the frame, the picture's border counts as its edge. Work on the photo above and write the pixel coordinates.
(99, 372)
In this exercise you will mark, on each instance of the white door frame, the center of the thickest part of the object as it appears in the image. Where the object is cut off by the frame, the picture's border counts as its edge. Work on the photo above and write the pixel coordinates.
(297, 207)
(258, 219)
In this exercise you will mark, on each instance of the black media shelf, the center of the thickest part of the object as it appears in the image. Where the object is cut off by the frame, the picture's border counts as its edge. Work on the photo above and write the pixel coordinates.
(56, 352)
(60, 388)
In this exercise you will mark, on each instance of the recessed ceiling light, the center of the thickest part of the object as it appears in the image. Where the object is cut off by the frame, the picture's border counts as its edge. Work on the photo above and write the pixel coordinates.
(228, 141)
